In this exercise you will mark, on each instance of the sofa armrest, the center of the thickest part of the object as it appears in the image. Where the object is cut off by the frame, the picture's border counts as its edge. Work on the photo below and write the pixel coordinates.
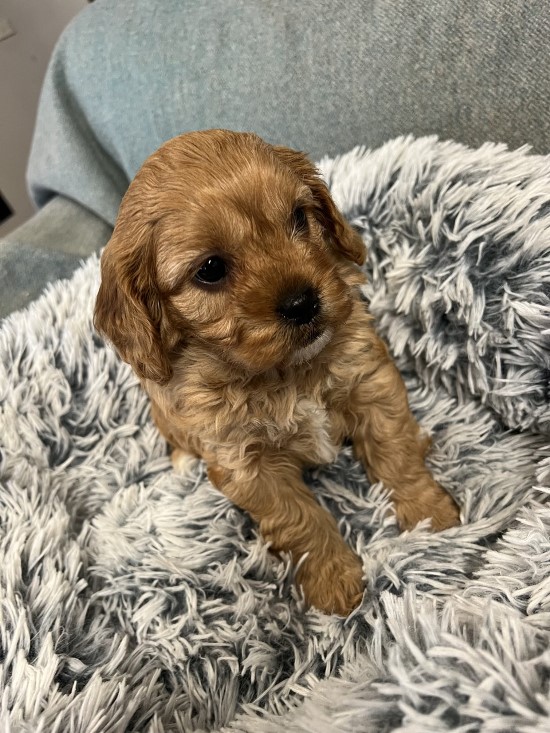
(47, 247)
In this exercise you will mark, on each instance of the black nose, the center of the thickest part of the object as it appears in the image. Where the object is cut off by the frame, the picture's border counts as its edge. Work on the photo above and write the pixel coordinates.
(299, 307)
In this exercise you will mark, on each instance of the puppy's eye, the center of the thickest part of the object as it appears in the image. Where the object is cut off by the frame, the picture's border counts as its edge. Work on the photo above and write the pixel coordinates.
(212, 270)
(299, 220)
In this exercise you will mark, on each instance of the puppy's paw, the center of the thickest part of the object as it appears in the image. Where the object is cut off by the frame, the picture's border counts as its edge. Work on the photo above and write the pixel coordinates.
(434, 503)
(333, 585)
(446, 513)
(184, 463)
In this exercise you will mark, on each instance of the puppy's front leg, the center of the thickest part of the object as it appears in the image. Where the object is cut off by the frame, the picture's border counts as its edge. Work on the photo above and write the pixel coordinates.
(387, 439)
(274, 494)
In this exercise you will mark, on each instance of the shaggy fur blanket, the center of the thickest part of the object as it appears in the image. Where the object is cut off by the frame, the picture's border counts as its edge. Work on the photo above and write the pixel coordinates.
(133, 599)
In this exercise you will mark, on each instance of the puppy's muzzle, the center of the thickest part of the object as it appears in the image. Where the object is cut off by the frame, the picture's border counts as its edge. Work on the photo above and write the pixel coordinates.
(300, 307)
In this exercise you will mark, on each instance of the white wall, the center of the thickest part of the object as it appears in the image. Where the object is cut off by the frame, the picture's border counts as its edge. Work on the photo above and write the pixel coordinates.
(23, 60)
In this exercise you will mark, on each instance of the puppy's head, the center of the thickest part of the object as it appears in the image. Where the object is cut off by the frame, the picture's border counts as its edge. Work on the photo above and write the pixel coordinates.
(232, 243)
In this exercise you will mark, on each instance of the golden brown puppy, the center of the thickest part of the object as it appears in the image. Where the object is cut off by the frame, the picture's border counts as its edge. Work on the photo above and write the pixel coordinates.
(231, 286)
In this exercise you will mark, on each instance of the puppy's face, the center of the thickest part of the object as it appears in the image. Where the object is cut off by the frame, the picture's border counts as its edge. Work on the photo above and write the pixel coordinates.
(227, 241)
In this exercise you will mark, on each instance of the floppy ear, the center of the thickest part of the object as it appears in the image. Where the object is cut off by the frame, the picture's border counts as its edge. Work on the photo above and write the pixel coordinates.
(128, 308)
(342, 236)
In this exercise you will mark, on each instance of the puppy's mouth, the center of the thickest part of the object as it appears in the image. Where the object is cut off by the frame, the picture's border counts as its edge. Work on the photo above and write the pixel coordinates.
(316, 342)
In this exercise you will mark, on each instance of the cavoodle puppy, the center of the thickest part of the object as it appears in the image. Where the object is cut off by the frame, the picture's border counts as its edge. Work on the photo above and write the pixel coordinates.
(231, 286)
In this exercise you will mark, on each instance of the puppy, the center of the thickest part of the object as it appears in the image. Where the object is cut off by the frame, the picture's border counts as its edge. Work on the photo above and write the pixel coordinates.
(231, 286)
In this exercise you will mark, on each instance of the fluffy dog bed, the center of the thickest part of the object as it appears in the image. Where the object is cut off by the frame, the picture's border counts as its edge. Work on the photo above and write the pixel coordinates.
(133, 599)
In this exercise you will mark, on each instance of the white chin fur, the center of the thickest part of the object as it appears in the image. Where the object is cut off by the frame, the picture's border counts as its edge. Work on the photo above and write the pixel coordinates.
(309, 352)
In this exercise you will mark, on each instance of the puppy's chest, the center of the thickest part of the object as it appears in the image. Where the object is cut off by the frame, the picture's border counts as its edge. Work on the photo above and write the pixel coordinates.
(289, 418)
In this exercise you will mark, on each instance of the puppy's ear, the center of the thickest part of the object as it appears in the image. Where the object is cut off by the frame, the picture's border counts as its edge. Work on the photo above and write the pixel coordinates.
(128, 309)
(342, 236)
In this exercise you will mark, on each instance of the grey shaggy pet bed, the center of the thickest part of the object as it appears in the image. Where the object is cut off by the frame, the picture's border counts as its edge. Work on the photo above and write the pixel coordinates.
(133, 599)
